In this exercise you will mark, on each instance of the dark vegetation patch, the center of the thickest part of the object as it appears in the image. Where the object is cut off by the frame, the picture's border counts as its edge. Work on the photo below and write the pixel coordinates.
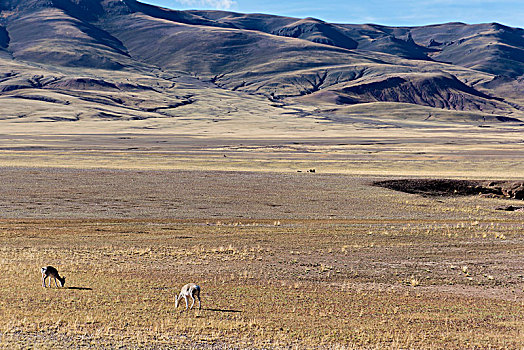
(449, 187)
(511, 208)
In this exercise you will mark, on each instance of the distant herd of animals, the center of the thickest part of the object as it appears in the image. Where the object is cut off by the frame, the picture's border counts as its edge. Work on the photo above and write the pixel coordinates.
(190, 290)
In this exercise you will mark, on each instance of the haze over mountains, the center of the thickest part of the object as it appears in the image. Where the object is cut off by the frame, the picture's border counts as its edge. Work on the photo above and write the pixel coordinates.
(78, 60)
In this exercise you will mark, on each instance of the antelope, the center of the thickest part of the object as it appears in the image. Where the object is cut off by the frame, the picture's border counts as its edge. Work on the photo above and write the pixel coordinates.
(189, 290)
(50, 271)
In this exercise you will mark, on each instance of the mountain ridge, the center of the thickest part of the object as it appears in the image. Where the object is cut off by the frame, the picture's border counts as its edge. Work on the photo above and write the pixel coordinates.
(454, 66)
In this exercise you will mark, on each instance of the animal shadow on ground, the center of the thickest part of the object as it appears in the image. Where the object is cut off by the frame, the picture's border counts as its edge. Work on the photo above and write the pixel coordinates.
(80, 288)
(223, 310)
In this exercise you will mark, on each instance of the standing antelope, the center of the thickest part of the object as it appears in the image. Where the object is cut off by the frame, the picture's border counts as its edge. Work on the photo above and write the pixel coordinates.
(50, 271)
(189, 290)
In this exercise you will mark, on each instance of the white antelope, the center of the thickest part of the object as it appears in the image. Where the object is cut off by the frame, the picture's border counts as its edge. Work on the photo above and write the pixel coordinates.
(189, 290)
(50, 271)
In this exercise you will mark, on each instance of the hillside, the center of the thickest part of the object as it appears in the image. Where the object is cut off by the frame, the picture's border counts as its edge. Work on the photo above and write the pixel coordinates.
(85, 60)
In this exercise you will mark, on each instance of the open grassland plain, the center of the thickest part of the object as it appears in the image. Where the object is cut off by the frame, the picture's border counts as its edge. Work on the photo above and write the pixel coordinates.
(285, 260)
(239, 152)
(436, 150)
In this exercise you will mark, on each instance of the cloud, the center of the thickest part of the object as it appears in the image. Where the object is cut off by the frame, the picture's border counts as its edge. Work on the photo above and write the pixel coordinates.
(217, 4)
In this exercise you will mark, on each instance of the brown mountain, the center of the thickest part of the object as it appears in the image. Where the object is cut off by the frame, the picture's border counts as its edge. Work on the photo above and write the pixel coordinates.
(121, 59)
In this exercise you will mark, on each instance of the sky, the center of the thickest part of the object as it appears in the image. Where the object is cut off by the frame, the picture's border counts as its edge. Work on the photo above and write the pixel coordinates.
(393, 13)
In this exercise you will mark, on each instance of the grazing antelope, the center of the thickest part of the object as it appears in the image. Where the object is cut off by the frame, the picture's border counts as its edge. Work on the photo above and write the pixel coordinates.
(189, 290)
(50, 271)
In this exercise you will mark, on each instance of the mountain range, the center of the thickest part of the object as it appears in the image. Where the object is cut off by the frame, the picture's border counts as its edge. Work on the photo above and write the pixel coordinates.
(74, 60)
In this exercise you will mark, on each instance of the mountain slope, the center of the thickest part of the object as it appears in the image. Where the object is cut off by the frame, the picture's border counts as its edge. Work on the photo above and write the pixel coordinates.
(434, 90)
(121, 59)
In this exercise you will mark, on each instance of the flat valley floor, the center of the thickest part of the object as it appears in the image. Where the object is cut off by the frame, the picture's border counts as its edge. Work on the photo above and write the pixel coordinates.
(286, 258)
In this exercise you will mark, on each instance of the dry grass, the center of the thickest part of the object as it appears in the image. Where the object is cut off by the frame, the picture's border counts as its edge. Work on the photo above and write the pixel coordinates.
(458, 151)
(285, 260)
(303, 283)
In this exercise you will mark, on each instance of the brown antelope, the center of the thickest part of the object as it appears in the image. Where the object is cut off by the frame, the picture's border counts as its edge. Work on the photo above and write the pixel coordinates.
(50, 271)
(189, 290)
